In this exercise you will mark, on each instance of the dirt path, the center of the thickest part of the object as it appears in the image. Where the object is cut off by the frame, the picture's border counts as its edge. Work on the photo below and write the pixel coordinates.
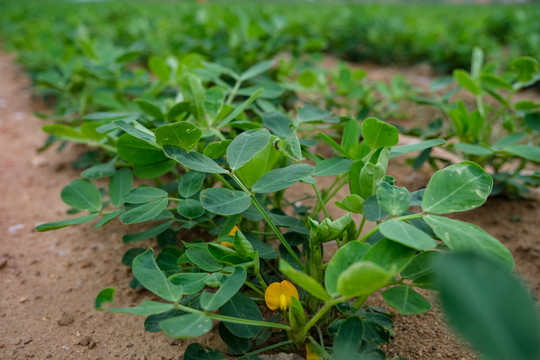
(49, 280)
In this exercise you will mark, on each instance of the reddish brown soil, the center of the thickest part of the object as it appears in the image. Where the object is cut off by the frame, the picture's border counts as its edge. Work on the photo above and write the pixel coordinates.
(49, 280)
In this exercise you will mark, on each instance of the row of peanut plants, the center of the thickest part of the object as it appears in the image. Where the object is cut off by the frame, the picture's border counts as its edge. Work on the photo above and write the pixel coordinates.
(223, 146)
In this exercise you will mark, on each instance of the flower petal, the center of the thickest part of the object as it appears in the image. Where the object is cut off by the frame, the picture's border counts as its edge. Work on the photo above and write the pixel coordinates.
(271, 296)
(289, 290)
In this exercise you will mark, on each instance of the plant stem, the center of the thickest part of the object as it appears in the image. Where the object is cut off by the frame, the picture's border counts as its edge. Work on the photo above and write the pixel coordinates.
(321, 202)
(232, 319)
(223, 181)
(361, 227)
(327, 306)
(254, 288)
(269, 222)
(359, 302)
(232, 94)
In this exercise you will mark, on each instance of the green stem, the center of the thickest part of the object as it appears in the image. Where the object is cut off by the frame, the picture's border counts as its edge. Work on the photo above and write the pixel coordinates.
(319, 198)
(232, 319)
(233, 92)
(359, 302)
(175, 199)
(223, 181)
(401, 218)
(327, 306)
(254, 288)
(269, 222)
(361, 227)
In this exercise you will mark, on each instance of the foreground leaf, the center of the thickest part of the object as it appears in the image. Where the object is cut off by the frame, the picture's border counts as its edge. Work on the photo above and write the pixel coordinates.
(186, 326)
(489, 306)
(82, 194)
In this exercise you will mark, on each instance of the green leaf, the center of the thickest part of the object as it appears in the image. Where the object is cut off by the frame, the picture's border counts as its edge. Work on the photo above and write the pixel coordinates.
(236, 345)
(242, 307)
(245, 146)
(465, 81)
(303, 280)
(327, 139)
(63, 223)
(489, 306)
(348, 339)
(144, 194)
(371, 209)
(342, 259)
(147, 234)
(216, 150)
(392, 199)
(526, 67)
(190, 208)
(153, 170)
(120, 183)
(190, 183)
(257, 69)
(191, 282)
(361, 279)
(379, 134)
(150, 109)
(390, 256)
(200, 352)
(159, 67)
(182, 134)
(224, 201)
(421, 265)
(82, 194)
(462, 236)
(229, 285)
(186, 326)
(351, 134)
(278, 123)
(279, 179)
(353, 203)
(144, 309)
(138, 152)
(144, 212)
(297, 317)
(332, 166)
(137, 130)
(406, 300)
(407, 235)
(147, 272)
(370, 175)
(473, 149)
(108, 218)
(105, 296)
(410, 148)
(459, 187)
(64, 131)
(193, 160)
(99, 171)
(203, 259)
(528, 152)
(237, 110)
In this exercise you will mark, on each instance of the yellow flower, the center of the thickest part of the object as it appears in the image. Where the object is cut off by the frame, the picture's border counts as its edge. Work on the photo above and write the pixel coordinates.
(233, 230)
(278, 295)
(227, 244)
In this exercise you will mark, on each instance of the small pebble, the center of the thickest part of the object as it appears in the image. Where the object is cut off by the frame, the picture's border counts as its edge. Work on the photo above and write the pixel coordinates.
(85, 341)
(48, 356)
(14, 228)
(3, 262)
(129, 344)
(39, 161)
(86, 264)
(28, 341)
(92, 345)
(65, 320)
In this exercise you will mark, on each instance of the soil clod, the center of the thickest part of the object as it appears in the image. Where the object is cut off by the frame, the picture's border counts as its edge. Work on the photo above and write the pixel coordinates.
(66, 319)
